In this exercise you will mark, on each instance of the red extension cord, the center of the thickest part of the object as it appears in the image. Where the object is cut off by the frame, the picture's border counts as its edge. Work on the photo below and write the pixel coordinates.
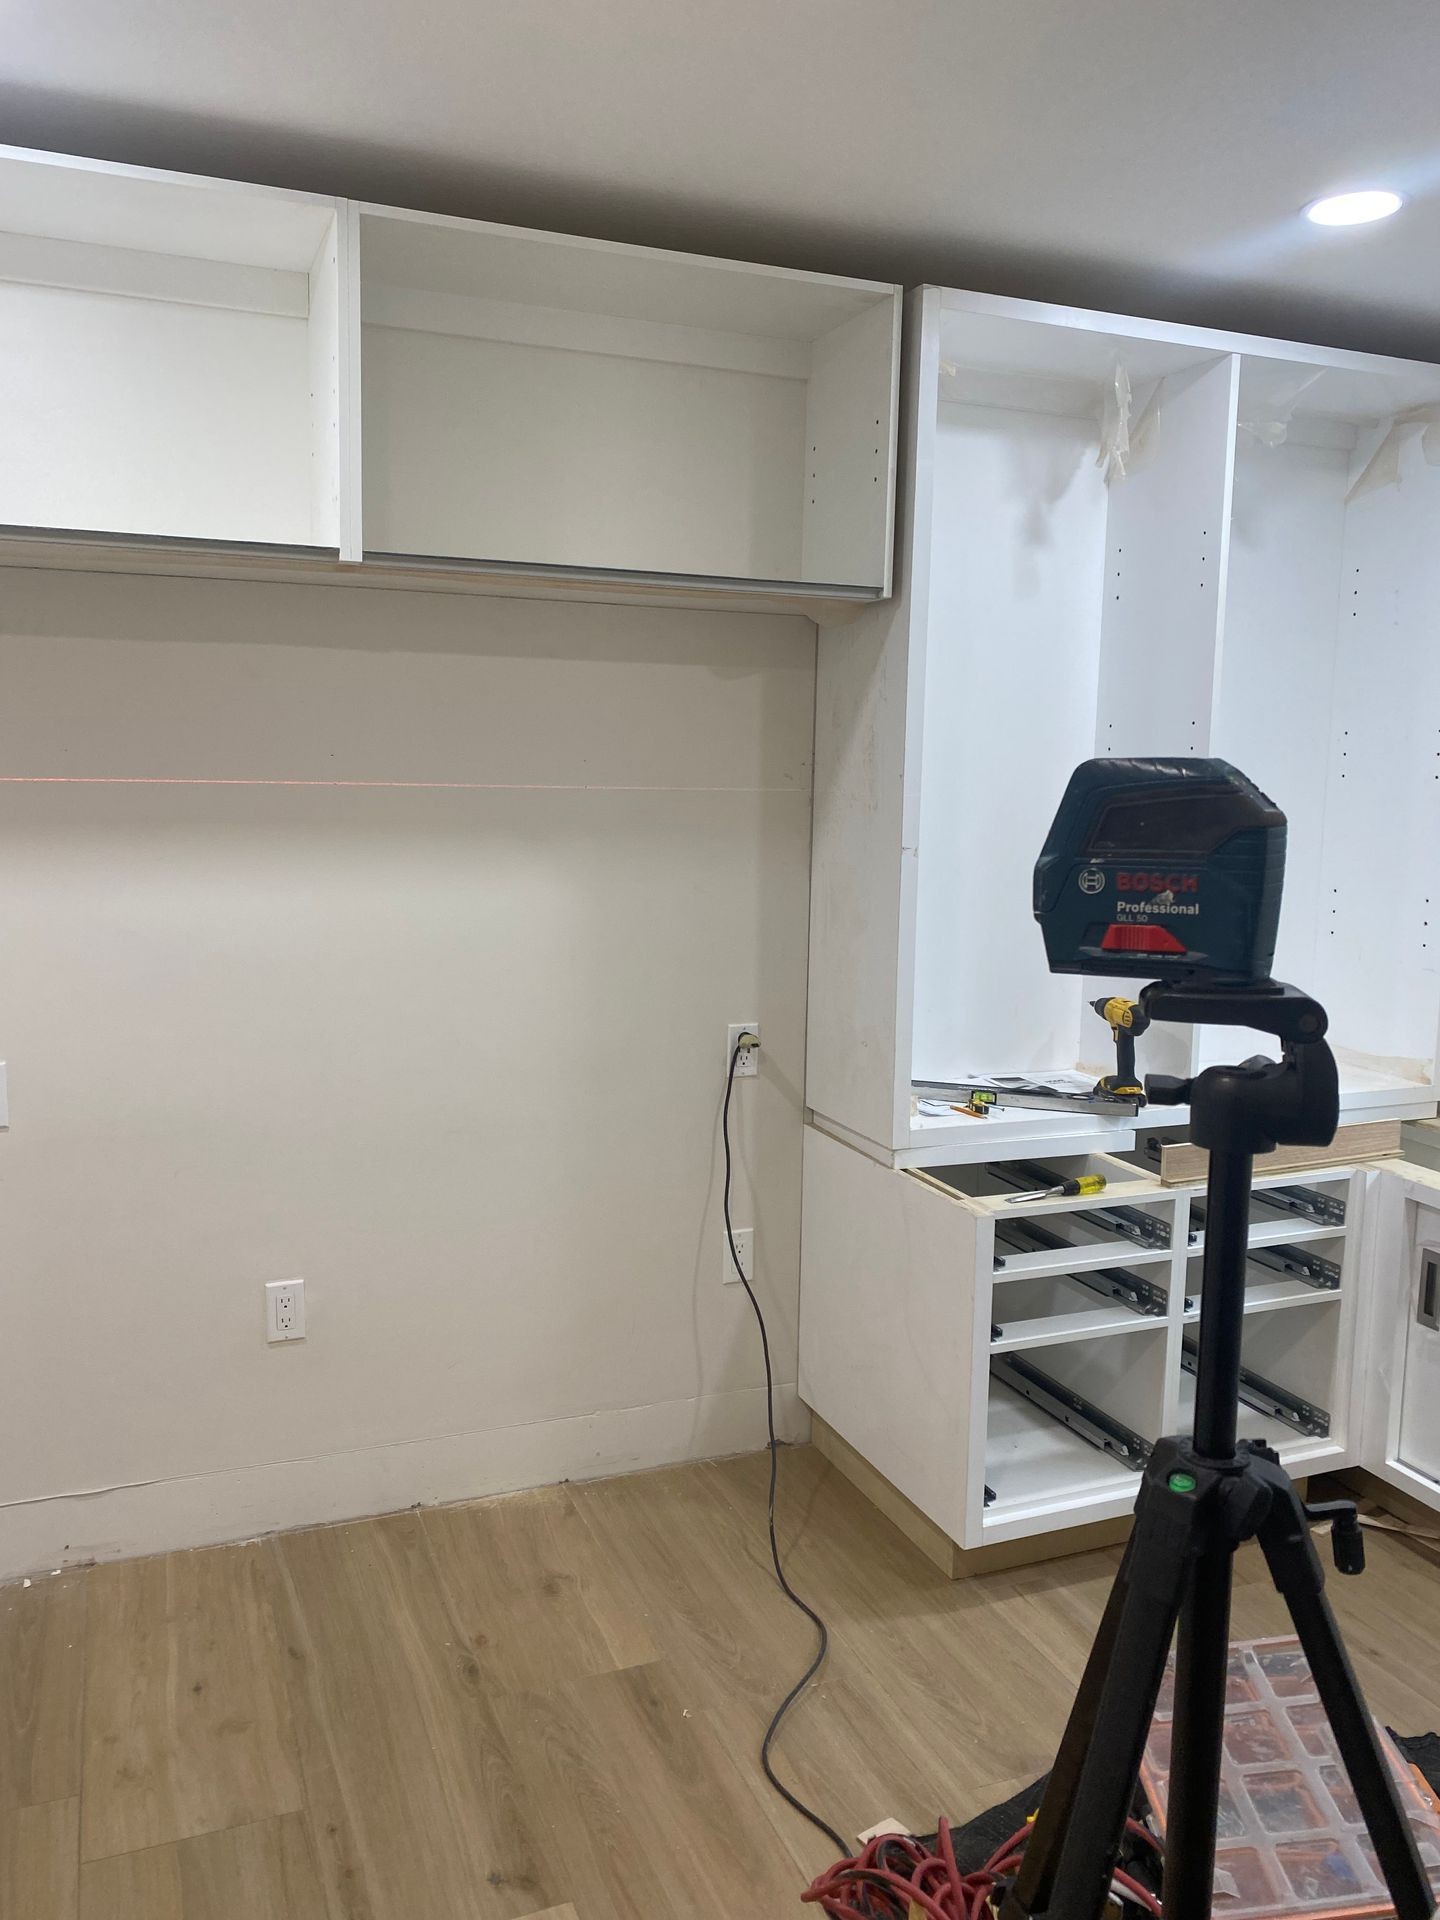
(872, 1886)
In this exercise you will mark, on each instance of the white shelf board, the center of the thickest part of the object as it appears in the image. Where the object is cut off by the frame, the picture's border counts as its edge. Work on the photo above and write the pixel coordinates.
(1057, 1329)
(1018, 1133)
(1264, 1296)
(83, 551)
(1011, 1133)
(1280, 1233)
(1078, 1259)
(1039, 1470)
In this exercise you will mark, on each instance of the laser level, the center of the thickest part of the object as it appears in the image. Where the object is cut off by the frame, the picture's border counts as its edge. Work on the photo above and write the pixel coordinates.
(1166, 866)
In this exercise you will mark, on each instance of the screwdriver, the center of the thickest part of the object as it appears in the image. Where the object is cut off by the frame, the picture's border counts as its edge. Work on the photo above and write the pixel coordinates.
(1086, 1183)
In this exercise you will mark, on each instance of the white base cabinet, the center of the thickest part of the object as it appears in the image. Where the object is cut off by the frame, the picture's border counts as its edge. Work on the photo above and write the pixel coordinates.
(1007, 1366)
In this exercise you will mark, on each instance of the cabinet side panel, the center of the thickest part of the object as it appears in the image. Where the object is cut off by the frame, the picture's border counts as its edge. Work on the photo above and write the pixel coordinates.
(1167, 554)
(324, 350)
(868, 693)
(848, 510)
(1378, 951)
(852, 1063)
(351, 450)
(886, 1313)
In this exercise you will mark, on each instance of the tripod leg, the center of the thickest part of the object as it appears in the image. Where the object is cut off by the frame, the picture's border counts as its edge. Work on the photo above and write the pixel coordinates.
(1036, 1878)
(1107, 1782)
(1202, 1655)
(1295, 1568)
(1071, 1854)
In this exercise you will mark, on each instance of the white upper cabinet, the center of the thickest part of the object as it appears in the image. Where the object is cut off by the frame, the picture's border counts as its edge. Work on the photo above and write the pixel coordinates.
(202, 363)
(534, 402)
(1126, 537)
(169, 356)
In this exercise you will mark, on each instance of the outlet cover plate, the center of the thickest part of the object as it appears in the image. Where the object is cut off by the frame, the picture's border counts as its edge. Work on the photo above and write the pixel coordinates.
(748, 1065)
(284, 1310)
(745, 1247)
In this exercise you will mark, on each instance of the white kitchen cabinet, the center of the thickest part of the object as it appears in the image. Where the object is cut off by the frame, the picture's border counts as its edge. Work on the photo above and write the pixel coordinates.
(537, 401)
(170, 353)
(213, 377)
(1122, 536)
(1006, 1367)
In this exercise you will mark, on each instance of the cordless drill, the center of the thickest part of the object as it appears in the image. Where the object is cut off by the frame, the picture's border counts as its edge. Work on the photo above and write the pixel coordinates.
(1126, 1023)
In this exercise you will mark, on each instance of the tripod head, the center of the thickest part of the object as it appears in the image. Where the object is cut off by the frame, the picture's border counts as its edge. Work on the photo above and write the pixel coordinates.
(1260, 1103)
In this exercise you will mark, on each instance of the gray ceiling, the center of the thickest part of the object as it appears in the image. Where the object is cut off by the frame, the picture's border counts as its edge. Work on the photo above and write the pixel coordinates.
(1149, 155)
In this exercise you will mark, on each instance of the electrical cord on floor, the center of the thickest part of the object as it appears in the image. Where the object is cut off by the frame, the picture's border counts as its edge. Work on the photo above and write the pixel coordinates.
(899, 1876)
(742, 1045)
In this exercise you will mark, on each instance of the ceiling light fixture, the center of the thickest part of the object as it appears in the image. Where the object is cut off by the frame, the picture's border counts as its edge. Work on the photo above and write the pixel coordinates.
(1354, 209)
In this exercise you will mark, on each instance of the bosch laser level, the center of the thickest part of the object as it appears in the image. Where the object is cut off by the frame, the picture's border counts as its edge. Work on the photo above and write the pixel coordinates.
(1167, 866)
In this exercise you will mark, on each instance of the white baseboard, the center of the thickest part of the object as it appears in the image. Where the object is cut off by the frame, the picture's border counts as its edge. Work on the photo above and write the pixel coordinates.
(198, 1510)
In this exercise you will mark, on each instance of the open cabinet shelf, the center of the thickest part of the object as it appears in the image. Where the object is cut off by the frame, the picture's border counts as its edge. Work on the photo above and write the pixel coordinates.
(1125, 538)
(536, 401)
(1033, 1464)
(169, 356)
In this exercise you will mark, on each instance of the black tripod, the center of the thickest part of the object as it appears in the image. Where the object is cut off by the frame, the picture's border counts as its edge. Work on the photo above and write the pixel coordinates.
(1198, 1501)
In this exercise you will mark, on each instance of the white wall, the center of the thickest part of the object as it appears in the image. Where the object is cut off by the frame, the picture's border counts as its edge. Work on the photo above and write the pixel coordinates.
(452, 1053)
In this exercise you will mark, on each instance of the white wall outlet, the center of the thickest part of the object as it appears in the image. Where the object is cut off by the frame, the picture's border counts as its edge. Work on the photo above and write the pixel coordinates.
(284, 1310)
(749, 1062)
(745, 1249)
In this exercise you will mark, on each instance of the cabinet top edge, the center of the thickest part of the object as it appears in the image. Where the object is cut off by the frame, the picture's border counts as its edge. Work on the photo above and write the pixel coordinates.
(500, 230)
(162, 176)
(1207, 339)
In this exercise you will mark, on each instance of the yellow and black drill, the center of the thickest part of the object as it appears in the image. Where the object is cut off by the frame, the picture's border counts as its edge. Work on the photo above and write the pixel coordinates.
(1127, 1023)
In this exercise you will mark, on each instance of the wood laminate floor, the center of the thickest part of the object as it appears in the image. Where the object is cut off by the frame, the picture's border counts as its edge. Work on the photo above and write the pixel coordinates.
(547, 1706)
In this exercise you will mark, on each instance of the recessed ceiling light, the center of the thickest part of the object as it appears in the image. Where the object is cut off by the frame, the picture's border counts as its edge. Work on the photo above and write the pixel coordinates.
(1354, 209)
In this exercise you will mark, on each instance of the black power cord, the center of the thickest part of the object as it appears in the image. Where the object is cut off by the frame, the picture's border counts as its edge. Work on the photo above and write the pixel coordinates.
(790, 1594)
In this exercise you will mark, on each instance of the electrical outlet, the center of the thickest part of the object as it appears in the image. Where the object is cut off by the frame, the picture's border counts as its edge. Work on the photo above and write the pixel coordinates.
(749, 1062)
(745, 1248)
(284, 1310)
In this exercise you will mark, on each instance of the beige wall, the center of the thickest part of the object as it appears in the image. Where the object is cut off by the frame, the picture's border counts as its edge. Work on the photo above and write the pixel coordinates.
(453, 1054)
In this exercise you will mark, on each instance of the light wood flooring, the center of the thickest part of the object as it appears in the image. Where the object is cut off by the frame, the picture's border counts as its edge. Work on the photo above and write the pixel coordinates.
(549, 1705)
